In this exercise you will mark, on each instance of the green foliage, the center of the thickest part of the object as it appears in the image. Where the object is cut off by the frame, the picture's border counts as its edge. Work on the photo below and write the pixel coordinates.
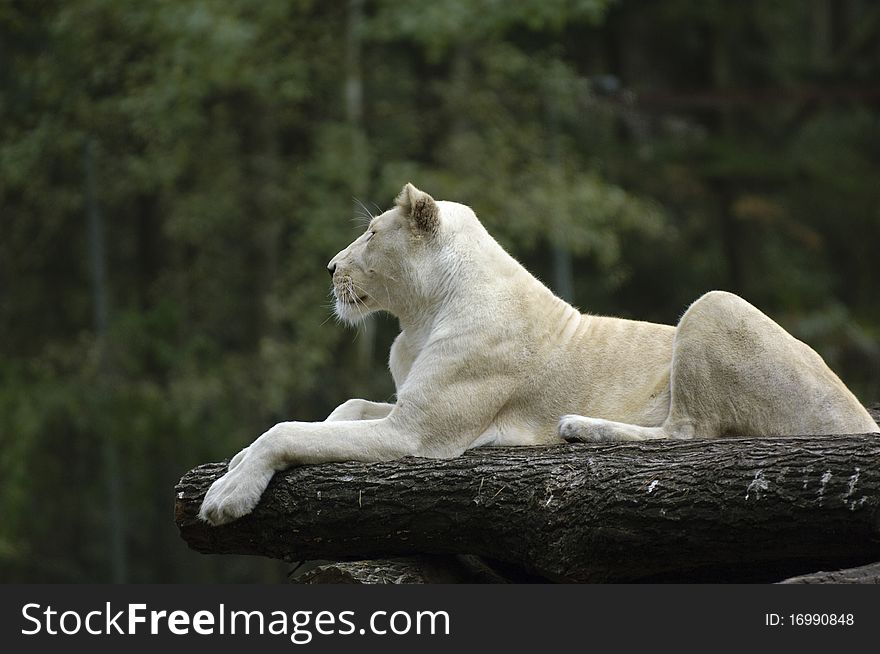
(667, 148)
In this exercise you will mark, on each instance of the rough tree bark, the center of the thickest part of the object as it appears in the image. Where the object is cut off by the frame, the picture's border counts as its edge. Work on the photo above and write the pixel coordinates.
(739, 509)
(864, 574)
(421, 569)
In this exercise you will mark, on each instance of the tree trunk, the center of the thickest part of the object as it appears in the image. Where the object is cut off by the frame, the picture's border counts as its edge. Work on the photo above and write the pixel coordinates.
(100, 295)
(739, 509)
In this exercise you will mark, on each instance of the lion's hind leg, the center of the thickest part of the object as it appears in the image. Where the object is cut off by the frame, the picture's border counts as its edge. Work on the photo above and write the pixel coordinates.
(580, 429)
(735, 372)
(729, 365)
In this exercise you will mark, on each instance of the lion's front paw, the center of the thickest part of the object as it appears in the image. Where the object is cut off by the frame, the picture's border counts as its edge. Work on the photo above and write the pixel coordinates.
(235, 494)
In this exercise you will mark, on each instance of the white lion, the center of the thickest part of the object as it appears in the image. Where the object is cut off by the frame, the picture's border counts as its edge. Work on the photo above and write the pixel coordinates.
(487, 355)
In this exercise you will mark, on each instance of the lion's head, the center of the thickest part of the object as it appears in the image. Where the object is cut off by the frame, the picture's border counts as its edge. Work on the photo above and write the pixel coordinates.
(397, 265)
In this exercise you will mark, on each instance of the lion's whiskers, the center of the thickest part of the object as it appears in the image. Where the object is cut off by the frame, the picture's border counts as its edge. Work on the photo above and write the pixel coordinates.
(363, 215)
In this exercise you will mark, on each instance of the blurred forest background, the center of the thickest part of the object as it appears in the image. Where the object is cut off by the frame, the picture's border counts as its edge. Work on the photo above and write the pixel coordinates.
(175, 175)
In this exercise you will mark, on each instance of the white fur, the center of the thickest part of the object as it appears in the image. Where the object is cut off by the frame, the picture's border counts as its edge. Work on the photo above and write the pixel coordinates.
(487, 355)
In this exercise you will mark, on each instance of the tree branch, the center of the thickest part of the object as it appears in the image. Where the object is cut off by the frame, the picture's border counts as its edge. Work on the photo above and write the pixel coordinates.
(745, 509)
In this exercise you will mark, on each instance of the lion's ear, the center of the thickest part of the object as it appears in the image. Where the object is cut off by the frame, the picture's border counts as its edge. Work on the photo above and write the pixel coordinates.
(420, 208)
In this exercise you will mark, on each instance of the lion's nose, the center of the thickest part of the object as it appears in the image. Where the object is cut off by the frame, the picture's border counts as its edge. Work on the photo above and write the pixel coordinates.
(331, 268)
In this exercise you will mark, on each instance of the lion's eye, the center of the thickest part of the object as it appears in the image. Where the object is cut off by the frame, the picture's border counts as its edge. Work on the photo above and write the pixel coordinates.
(370, 235)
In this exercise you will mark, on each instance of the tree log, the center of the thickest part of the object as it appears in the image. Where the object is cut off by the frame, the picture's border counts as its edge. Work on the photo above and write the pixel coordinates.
(738, 509)
(865, 574)
(405, 570)
(409, 570)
